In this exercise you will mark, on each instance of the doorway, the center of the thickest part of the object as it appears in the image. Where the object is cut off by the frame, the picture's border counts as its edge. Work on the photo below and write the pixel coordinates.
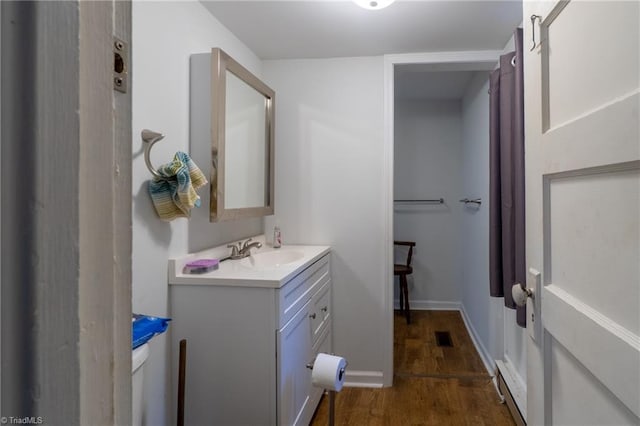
(437, 115)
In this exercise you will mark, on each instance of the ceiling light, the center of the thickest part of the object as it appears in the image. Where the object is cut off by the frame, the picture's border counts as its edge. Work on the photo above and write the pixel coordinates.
(373, 4)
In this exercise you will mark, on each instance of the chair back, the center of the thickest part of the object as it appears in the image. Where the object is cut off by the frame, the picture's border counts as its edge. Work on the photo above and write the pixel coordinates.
(409, 244)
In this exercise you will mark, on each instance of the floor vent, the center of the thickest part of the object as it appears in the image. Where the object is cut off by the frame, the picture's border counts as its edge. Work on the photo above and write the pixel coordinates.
(443, 338)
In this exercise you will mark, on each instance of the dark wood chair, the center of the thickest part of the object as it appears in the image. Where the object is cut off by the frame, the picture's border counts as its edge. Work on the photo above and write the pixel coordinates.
(402, 270)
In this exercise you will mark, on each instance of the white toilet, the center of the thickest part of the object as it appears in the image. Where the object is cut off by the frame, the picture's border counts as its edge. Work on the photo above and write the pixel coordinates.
(138, 357)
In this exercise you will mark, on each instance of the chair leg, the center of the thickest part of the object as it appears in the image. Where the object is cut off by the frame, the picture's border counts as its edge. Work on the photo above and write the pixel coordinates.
(403, 279)
(401, 293)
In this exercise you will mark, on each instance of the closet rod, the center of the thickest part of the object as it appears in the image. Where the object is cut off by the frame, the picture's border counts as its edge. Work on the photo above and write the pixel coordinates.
(437, 200)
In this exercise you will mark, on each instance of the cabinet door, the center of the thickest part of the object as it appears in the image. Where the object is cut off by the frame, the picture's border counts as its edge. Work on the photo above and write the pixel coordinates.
(323, 344)
(294, 378)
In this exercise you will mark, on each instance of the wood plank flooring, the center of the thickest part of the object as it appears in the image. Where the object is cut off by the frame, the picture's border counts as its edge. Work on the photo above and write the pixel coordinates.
(432, 385)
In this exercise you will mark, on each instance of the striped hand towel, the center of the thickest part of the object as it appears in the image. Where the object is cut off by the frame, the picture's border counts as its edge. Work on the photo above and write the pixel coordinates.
(175, 195)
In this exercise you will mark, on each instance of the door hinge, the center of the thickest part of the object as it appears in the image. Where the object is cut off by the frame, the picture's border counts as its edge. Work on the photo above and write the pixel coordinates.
(120, 65)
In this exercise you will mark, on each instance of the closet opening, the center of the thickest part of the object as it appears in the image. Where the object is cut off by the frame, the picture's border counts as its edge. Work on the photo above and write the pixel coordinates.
(437, 141)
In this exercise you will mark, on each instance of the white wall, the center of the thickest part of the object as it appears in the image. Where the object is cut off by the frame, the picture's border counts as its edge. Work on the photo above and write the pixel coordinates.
(329, 162)
(484, 313)
(493, 326)
(427, 164)
(165, 34)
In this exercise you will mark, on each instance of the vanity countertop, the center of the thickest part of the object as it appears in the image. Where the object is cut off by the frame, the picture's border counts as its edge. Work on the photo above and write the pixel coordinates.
(266, 267)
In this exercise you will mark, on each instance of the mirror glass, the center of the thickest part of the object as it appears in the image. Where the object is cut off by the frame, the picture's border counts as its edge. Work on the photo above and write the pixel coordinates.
(242, 142)
(245, 126)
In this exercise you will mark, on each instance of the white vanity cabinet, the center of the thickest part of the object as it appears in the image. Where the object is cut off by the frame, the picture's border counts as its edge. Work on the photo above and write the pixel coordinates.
(299, 340)
(249, 342)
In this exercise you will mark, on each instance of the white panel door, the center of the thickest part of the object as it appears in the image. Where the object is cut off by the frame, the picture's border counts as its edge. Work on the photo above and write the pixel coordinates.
(583, 212)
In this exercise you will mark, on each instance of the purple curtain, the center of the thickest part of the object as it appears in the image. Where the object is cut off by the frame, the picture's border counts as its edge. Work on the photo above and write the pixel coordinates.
(506, 210)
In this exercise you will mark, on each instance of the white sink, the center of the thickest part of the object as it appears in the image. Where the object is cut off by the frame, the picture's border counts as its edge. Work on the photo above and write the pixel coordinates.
(271, 259)
(266, 267)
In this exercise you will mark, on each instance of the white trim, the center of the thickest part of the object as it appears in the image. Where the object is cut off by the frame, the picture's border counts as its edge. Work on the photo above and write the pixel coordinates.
(512, 379)
(430, 305)
(121, 23)
(515, 384)
(104, 218)
(479, 56)
(387, 208)
(364, 379)
(485, 355)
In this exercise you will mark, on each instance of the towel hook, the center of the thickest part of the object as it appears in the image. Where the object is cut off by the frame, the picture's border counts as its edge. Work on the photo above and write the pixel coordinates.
(533, 30)
(150, 137)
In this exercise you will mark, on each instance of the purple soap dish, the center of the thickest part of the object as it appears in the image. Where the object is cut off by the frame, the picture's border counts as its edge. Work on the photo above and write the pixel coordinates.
(201, 266)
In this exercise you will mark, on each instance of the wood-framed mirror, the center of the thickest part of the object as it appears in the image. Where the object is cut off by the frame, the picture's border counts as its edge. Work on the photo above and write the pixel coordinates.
(242, 142)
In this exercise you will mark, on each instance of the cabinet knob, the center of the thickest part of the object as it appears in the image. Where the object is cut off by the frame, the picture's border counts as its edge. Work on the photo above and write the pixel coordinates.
(325, 309)
(312, 316)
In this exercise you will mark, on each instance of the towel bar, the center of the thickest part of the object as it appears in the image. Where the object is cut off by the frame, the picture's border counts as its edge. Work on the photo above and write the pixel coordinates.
(150, 137)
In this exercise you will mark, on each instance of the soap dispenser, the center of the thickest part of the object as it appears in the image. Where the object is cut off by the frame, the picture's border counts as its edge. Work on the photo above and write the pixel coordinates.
(277, 237)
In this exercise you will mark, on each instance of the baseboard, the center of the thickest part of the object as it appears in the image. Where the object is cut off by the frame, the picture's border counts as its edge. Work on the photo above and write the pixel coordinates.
(363, 379)
(429, 305)
(508, 397)
(485, 355)
(515, 384)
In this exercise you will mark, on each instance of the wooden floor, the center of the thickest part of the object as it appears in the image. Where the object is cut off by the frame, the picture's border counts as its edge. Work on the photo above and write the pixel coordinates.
(433, 385)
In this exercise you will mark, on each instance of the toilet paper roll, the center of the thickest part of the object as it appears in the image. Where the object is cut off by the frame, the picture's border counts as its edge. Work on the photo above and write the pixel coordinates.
(328, 372)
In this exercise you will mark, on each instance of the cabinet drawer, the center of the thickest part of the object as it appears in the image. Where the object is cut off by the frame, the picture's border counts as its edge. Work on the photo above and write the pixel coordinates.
(293, 295)
(320, 310)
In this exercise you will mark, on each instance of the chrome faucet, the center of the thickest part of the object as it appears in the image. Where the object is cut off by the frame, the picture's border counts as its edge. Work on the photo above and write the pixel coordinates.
(247, 246)
(242, 249)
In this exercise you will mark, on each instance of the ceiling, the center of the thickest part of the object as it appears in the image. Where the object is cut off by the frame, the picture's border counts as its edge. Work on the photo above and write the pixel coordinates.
(436, 81)
(294, 29)
(432, 85)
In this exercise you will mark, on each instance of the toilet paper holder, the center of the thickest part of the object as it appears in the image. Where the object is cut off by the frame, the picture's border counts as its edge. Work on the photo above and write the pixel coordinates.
(332, 393)
(342, 370)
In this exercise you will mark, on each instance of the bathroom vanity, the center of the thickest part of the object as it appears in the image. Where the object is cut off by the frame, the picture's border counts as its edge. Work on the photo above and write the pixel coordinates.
(252, 326)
